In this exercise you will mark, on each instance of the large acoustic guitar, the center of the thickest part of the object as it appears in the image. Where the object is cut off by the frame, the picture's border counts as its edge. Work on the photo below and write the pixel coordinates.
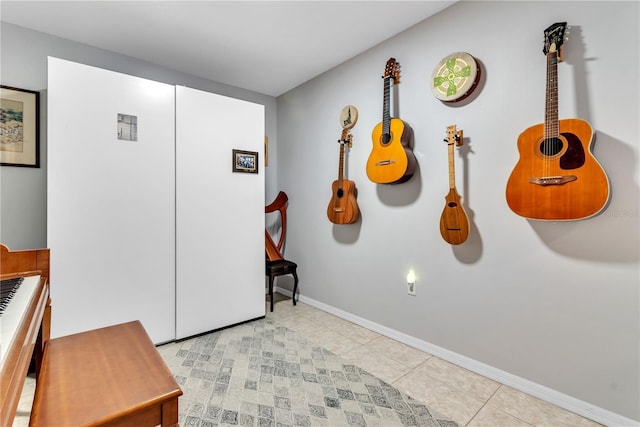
(454, 223)
(343, 206)
(556, 177)
(391, 160)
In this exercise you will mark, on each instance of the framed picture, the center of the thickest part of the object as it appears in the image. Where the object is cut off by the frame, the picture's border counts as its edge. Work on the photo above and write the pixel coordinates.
(245, 161)
(127, 127)
(19, 127)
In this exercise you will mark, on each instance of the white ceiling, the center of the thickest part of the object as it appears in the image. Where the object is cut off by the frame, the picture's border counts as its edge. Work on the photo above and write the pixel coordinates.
(264, 46)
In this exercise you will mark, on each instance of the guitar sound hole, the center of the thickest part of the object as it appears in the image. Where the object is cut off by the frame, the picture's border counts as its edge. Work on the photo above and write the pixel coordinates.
(386, 138)
(452, 204)
(551, 146)
(340, 193)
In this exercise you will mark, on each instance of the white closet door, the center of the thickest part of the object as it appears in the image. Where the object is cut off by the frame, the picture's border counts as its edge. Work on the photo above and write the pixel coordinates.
(111, 200)
(219, 213)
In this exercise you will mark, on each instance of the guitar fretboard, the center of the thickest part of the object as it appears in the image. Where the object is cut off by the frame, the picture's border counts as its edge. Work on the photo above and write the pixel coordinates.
(343, 140)
(452, 169)
(386, 114)
(551, 129)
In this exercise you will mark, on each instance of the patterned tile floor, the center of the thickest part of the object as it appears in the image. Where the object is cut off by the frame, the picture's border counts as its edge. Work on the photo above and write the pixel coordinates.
(455, 393)
(262, 374)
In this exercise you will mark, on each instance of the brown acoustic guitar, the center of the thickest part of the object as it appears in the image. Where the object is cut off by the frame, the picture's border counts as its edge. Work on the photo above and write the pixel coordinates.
(343, 206)
(454, 223)
(556, 178)
(391, 160)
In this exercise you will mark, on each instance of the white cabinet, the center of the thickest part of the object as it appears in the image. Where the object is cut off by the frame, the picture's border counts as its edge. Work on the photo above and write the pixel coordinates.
(121, 247)
(219, 213)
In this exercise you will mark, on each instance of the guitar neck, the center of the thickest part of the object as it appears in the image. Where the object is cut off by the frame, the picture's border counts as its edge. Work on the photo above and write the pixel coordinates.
(386, 115)
(341, 164)
(344, 139)
(551, 126)
(452, 170)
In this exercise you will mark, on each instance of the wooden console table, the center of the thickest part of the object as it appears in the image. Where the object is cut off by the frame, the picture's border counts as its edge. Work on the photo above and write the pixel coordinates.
(110, 376)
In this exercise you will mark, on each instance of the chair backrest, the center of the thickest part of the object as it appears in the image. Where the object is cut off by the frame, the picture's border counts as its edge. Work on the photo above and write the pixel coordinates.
(273, 251)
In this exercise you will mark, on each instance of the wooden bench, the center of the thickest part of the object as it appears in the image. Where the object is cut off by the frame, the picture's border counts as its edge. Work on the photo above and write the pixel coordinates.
(110, 376)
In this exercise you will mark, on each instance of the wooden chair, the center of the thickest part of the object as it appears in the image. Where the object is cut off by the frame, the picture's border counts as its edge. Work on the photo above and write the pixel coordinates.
(276, 264)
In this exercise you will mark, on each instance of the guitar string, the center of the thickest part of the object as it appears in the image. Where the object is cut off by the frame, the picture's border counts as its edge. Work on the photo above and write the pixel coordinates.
(549, 131)
(547, 114)
(386, 114)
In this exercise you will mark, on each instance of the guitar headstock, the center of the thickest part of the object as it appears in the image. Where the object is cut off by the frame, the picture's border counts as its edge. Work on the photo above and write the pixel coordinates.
(454, 136)
(554, 37)
(392, 70)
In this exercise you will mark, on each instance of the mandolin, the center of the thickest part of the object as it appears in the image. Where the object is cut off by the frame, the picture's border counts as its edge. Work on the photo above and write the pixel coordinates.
(391, 160)
(343, 207)
(454, 223)
(556, 178)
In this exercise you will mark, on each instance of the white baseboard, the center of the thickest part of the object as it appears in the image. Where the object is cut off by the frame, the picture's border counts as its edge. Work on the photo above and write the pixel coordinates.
(554, 397)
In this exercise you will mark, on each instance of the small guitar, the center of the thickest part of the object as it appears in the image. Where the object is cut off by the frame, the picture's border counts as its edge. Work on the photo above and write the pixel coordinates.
(343, 207)
(454, 223)
(392, 160)
(556, 177)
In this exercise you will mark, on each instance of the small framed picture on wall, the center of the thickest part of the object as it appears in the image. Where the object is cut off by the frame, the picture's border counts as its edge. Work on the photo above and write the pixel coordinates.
(19, 127)
(245, 161)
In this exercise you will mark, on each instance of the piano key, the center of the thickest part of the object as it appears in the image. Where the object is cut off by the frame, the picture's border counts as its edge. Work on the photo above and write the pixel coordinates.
(14, 312)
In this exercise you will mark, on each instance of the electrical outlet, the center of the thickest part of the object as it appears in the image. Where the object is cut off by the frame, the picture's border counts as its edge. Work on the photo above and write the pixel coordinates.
(411, 288)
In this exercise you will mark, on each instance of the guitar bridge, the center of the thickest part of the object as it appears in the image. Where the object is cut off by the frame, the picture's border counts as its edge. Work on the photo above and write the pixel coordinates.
(552, 180)
(385, 162)
(338, 209)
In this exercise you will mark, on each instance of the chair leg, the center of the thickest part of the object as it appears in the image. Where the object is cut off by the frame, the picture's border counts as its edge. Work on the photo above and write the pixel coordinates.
(271, 290)
(295, 286)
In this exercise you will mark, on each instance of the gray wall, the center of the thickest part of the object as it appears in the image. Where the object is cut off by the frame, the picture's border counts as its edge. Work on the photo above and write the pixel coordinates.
(23, 64)
(556, 303)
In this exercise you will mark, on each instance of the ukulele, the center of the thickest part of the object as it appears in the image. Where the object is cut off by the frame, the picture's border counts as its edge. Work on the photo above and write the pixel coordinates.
(392, 160)
(343, 207)
(454, 223)
(556, 177)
